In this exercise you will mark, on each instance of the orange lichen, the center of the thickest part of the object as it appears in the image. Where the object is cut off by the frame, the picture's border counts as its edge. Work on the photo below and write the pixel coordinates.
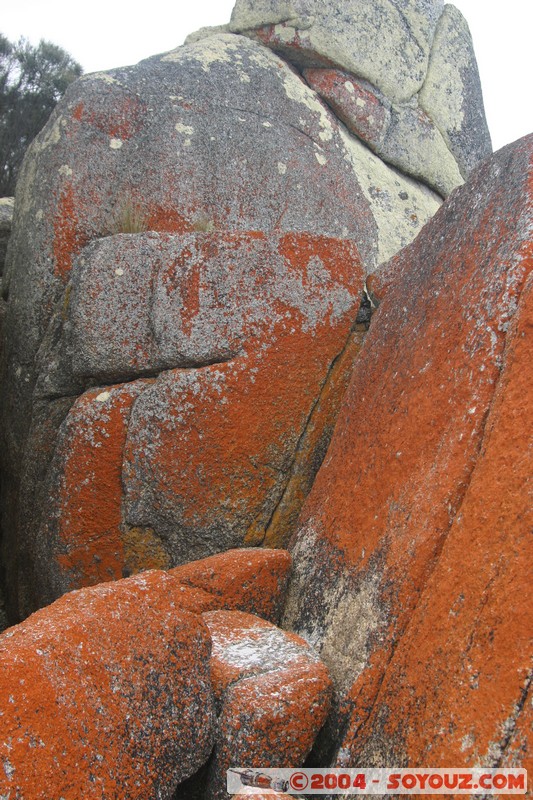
(463, 663)
(246, 579)
(68, 236)
(88, 713)
(90, 489)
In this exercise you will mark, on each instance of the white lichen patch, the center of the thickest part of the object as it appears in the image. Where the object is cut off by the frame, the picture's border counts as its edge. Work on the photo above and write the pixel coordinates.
(297, 90)
(443, 93)
(103, 397)
(188, 130)
(398, 220)
(100, 76)
(348, 85)
(258, 649)
(354, 619)
(65, 170)
(321, 158)
(115, 144)
(119, 271)
(49, 136)
(282, 168)
(209, 51)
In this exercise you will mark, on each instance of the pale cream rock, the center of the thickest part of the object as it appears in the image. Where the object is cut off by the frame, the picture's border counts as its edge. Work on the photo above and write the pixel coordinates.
(384, 41)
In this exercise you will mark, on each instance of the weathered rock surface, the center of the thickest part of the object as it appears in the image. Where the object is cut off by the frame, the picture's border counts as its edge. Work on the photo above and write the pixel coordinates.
(402, 135)
(249, 579)
(239, 313)
(272, 693)
(451, 94)
(106, 693)
(413, 425)
(386, 42)
(467, 646)
(411, 89)
(6, 220)
(133, 262)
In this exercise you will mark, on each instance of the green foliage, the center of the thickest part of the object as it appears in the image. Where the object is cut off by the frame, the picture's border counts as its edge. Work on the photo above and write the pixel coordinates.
(32, 80)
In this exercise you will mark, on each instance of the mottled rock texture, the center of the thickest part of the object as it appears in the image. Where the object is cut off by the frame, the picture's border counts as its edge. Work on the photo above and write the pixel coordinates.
(106, 693)
(463, 663)
(387, 42)
(166, 306)
(272, 693)
(404, 136)
(451, 94)
(156, 471)
(252, 580)
(399, 487)
(401, 75)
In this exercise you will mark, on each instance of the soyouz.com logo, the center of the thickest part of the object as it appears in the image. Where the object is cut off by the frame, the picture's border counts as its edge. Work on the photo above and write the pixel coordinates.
(377, 781)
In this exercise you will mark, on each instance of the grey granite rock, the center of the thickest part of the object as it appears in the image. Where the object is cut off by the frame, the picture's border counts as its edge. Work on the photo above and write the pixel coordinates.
(452, 94)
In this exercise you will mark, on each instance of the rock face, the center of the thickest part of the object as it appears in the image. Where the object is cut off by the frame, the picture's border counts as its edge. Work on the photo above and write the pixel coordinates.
(6, 221)
(386, 42)
(401, 75)
(157, 316)
(403, 136)
(414, 475)
(273, 695)
(118, 705)
(467, 622)
(235, 314)
(451, 94)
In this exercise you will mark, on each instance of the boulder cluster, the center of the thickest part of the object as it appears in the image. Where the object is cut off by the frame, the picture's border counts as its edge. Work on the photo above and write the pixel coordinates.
(266, 392)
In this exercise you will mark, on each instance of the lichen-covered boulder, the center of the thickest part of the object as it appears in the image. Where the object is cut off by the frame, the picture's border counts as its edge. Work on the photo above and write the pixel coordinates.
(167, 306)
(451, 94)
(194, 455)
(411, 435)
(401, 75)
(404, 136)
(272, 694)
(106, 693)
(387, 42)
(468, 643)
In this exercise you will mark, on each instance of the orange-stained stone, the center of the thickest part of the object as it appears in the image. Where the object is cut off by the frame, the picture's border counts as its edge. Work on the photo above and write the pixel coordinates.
(407, 441)
(81, 540)
(252, 580)
(273, 695)
(359, 105)
(463, 665)
(209, 449)
(105, 693)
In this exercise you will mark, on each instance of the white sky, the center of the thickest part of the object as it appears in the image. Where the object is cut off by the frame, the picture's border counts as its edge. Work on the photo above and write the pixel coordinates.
(102, 34)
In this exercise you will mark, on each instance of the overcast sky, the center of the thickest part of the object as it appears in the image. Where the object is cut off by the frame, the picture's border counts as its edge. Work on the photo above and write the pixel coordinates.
(102, 35)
